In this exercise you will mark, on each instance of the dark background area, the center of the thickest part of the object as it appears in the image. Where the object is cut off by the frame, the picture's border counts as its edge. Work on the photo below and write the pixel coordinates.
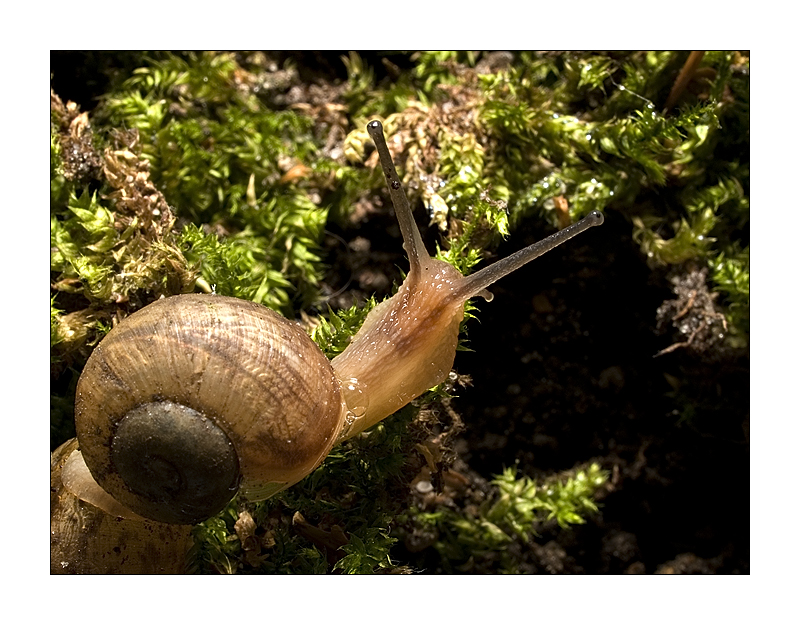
(581, 383)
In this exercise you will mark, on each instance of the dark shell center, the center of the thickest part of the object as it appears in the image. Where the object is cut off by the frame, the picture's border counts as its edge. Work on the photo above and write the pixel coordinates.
(179, 463)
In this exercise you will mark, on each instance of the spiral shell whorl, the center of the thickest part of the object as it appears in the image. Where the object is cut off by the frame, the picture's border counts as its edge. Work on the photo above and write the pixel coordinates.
(180, 466)
(223, 364)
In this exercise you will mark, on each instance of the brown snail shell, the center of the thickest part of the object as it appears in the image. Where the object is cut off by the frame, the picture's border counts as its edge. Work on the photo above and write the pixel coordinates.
(85, 539)
(198, 382)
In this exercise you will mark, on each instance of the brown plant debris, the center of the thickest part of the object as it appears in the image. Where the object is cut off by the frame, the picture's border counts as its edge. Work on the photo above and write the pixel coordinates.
(135, 196)
(701, 327)
(81, 159)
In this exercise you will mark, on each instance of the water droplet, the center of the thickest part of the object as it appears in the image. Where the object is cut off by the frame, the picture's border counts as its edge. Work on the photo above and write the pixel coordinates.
(355, 398)
(357, 403)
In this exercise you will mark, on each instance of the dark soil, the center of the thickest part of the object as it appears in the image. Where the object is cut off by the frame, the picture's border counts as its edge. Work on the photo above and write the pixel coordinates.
(575, 379)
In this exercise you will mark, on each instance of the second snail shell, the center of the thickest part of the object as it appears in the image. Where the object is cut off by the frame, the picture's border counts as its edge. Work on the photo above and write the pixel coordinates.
(259, 399)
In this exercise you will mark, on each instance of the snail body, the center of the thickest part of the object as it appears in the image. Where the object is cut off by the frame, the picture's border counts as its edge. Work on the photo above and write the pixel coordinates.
(197, 397)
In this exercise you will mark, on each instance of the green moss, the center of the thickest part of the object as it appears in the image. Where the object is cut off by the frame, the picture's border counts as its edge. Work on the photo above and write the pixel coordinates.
(219, 156)
(518, 506)
(731, 276)
(359, 488)
(55, 330)
(333, 333)
(81, 244)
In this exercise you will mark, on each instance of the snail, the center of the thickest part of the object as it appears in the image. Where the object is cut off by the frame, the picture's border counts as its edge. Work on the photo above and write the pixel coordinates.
(195, 398)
